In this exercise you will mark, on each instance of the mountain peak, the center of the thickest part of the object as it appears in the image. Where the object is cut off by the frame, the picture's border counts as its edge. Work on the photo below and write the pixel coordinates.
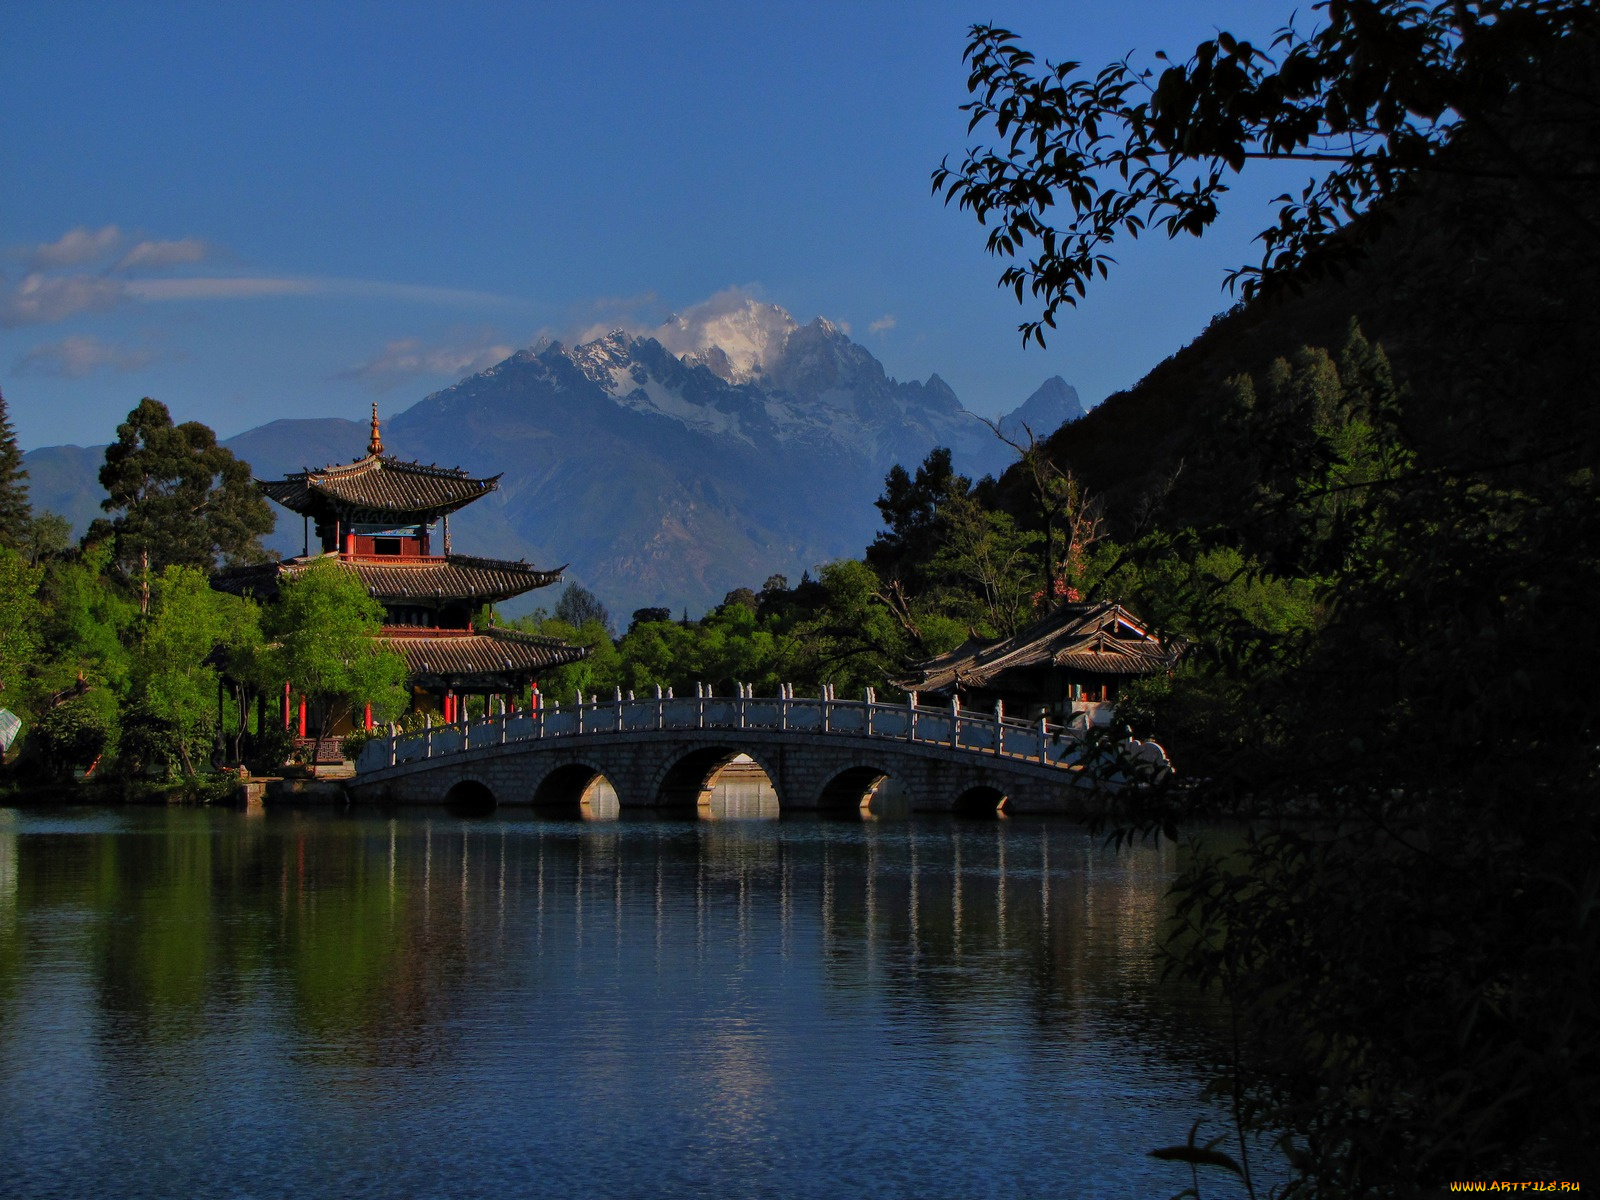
(1053, 403)
(732, 334)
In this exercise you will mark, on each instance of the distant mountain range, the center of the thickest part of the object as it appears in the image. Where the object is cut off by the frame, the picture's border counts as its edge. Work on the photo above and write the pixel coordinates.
(666, 468)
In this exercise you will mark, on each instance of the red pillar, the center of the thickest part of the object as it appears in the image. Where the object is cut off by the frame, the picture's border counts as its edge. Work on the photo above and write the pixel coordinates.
(449, 707)
(367, 718)
(302, 716)
(286, 705)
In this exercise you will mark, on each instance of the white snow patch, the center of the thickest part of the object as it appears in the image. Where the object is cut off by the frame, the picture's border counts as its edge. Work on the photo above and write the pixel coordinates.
(751, 334)
(654, 396)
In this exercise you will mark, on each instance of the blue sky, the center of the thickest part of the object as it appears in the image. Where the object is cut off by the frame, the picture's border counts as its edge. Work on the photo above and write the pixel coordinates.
(257, 211)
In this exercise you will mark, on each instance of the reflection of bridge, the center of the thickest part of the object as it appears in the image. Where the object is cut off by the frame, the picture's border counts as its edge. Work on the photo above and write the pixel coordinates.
(817, 753)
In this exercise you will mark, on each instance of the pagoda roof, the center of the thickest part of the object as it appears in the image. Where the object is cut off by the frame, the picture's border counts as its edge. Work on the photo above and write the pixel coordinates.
(380, 485)
(396, 579)
(1093, 639)
(493, 658)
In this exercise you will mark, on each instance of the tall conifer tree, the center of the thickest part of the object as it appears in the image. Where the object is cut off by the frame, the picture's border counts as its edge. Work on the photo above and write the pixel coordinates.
(16, 516)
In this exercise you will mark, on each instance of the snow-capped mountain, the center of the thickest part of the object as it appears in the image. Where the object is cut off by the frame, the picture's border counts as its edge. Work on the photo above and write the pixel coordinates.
(669, 466)
(749, 371)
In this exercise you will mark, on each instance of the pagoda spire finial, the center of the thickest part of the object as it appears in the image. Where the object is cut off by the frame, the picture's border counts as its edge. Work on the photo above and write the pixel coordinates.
(375, 446)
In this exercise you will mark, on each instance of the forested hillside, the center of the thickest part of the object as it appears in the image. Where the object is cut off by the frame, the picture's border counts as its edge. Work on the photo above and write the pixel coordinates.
(1368, 497)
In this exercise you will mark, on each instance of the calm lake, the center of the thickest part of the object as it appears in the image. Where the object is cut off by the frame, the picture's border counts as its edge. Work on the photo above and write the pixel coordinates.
(200, 1003)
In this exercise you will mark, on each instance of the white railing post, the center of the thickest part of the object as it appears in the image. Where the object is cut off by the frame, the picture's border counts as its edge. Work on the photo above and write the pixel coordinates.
(999, 728)
(785, 694)
(700, 705)
(827, 695)
(869, 698)
(1044, 755)
(911, 716)
(955, 721)
(661, 709)
(617, 705)
(744, 700)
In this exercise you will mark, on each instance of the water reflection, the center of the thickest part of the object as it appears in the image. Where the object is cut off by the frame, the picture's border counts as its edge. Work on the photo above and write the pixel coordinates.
(710, 1000)
(739, 791)
(599, 801)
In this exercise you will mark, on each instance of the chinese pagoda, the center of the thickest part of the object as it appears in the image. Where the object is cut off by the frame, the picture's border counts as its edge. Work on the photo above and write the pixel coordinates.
(375, 517)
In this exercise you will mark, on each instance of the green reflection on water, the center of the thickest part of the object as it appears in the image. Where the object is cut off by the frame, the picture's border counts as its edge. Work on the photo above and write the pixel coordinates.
(368, 932)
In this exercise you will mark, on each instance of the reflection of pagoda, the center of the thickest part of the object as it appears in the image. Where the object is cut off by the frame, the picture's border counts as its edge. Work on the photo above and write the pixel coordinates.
(374, 516)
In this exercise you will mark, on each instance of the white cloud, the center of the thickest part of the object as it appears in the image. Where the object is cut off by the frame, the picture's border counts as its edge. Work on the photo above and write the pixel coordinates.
(40, 299)
(749, 332)
(155, 254)
(418, 293)
(77, 356)
(219, 288)
(74, 248)
(52, 290)
(404, 358)
(883, 324)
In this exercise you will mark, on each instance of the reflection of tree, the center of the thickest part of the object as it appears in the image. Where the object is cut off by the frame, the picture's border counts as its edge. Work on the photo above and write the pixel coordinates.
(377, 939)
(10, 931)
(154, 945)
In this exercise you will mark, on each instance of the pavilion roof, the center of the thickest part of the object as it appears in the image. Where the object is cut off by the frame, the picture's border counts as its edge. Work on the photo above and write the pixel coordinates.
(398, 580)
(1093, 639)
(378, 486)
(494, 658)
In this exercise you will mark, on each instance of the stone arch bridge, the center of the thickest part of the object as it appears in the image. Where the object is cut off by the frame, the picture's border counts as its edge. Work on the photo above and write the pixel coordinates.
(818, 754)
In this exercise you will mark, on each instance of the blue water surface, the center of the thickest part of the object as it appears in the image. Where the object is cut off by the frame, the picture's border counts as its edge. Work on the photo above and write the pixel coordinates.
(198, 1003)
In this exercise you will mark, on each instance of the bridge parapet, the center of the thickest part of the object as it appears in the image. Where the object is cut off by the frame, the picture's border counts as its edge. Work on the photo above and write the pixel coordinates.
(952, 727)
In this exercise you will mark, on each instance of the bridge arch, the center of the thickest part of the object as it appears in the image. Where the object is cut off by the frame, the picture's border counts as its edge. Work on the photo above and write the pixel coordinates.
(471, 798)
(686, 782)
(980, 800)
(580, 788)
(861, 784)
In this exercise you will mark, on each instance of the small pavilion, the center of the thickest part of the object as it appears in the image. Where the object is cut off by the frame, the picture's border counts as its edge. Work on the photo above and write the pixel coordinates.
(376, 518)
(1071, 661)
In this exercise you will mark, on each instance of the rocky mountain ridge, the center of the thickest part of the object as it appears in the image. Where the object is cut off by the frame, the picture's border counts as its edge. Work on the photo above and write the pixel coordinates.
(667, 466)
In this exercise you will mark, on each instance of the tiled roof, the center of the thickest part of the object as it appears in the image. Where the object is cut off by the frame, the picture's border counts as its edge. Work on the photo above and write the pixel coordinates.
(1097, 639)
(396, 579)
(495, 654)
(379, 484)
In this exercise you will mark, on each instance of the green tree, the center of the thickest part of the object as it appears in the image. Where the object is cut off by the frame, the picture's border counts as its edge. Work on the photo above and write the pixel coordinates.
(987, 558)
(578, 606)
(179, 498)
(175, 678)
(597, 673)
(73, 734)
(87, 624)
(15, 515)
(48, 535)
(19, 625)
(912, 508)
(323, 631)
(1378, 95)
(645, 616)
(855, 638)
